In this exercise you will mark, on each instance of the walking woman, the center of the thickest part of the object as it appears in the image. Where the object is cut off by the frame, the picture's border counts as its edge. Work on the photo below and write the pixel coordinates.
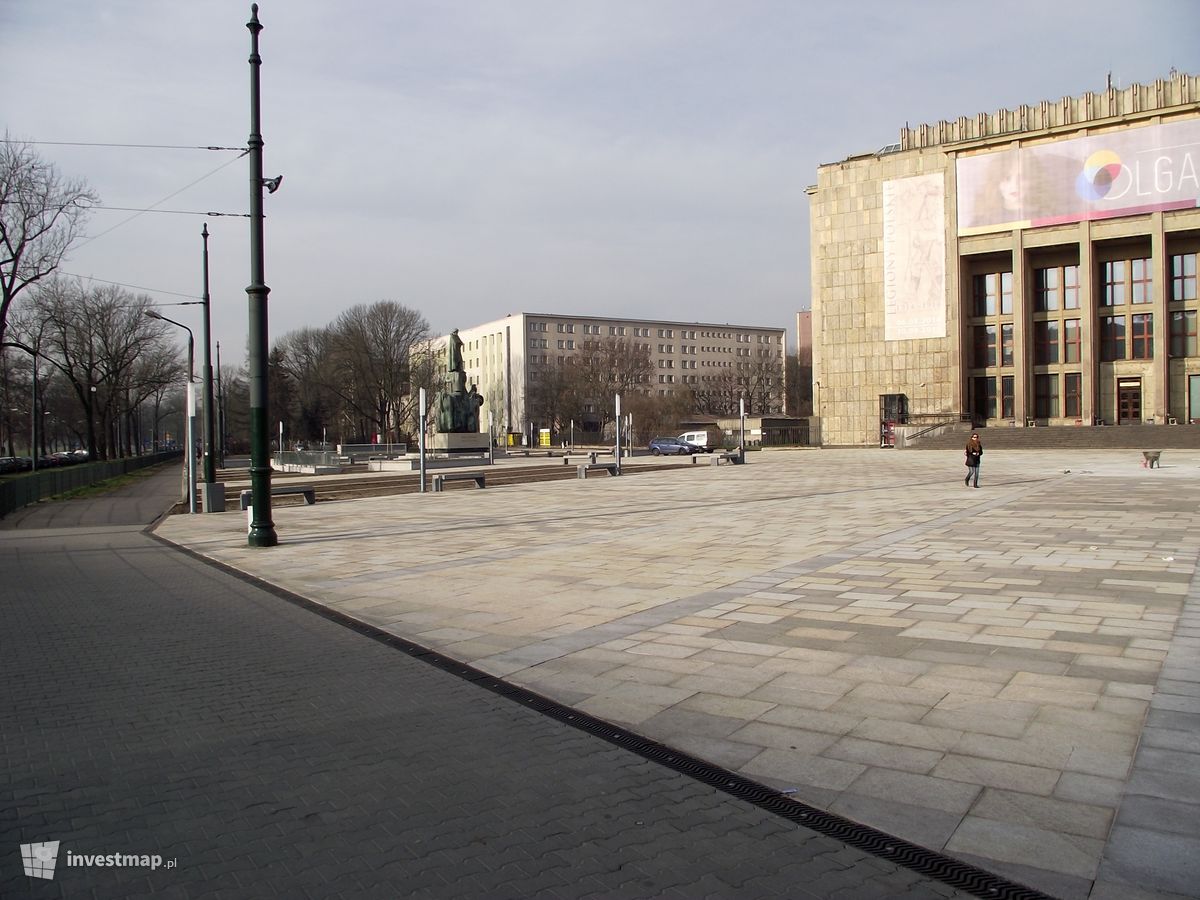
(974, 457)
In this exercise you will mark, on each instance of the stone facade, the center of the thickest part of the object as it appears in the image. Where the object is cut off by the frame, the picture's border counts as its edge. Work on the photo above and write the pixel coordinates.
(902, 311)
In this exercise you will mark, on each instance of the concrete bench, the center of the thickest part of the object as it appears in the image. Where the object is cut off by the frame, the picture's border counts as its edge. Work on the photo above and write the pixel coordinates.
(588, 457)
(1150, 459)
(730, 456)
(439, 481)
(307, 490)
(612, 468)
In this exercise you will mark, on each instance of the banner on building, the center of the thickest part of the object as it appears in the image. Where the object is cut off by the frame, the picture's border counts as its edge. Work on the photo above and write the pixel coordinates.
(1118, 173)
(914, 258)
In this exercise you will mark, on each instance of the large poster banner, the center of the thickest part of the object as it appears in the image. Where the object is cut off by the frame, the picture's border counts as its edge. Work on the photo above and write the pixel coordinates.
(914, 258)
(1120, 173)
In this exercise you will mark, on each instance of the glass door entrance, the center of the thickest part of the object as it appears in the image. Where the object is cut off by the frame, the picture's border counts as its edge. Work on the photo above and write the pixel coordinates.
(1129, 401)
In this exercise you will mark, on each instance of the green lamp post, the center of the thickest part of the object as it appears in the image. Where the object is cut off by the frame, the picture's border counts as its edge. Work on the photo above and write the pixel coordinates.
(262, 529)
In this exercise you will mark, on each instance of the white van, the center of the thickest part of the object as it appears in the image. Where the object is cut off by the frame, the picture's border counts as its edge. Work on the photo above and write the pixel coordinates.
(706, 440)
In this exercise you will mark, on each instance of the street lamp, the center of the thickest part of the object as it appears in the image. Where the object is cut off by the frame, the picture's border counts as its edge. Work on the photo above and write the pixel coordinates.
(210, 469)
(220, 411)
(190, 456)
(262, 529)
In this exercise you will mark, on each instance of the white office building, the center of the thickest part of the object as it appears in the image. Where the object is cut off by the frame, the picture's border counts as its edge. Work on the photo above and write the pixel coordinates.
(505, 357)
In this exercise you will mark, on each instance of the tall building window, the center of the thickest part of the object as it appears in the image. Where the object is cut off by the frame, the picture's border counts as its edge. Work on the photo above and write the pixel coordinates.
(1112, 338)
(1114, 283)
(985, 397)
(1047, 290)
(1141, 343)
(1127, 281)
(985, 346)
(1072, 341)
(1007, 398)
(1073, 395)
(1070, 287)
(1045, 343)
(1183, 277)
(992, 292)
(1045, 396)
(1182, 286)
(1140, 281)
(1006, 345)
(1183, 332)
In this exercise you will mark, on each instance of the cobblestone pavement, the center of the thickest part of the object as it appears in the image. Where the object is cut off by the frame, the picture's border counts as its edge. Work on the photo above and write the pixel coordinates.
(1006, 674)
(155, 705)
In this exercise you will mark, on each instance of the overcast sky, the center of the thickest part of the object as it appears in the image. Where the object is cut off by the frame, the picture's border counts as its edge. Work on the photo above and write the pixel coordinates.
(640, 158)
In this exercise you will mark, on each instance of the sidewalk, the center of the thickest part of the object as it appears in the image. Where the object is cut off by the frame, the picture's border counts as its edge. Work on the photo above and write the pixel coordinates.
(161, 709)
(139, 502)
(1007, 674)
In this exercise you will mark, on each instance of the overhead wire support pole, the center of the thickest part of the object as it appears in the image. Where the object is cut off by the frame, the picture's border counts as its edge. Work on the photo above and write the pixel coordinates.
(189, 411)
(262, 529)
(210, 469)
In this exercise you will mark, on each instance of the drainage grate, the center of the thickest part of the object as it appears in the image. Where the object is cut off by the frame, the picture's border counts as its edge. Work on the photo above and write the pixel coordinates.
(938, 866)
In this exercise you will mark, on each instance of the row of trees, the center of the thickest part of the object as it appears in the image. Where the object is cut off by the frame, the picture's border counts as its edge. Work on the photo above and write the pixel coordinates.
(108, 376)
(579, 390)
(355, 378)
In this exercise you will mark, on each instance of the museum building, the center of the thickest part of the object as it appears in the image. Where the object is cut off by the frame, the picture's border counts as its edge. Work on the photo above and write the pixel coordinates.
(1032, 266)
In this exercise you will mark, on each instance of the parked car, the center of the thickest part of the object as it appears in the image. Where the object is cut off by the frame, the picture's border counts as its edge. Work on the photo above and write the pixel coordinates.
(705, 440)
(669, 446)
(9, 464)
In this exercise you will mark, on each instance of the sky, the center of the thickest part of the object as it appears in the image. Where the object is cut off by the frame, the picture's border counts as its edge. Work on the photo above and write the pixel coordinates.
(470, 159)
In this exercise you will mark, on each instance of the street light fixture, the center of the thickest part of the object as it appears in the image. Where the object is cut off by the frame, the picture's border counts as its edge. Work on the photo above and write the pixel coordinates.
(262, 529)
(210, 469)
(190, 453)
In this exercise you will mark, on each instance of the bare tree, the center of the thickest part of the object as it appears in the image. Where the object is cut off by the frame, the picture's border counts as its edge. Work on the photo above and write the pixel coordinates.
(658, 414)
(306, 357)
(558, 394)
(95, 338)
(760, 384)
(41, 216)
(581, 386)
(373, 345)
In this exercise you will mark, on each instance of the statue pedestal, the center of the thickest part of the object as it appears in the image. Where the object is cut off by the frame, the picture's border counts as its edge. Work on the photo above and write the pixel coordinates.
(452, 443)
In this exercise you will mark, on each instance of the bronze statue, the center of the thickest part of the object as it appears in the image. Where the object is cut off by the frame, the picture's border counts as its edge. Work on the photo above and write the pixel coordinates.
(458, 409)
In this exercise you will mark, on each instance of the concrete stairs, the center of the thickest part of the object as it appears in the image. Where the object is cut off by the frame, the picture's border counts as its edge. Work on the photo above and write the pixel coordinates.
(1101, 437)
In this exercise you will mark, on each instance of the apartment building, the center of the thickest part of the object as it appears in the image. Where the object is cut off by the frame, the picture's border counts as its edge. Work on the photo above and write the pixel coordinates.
(505, 357)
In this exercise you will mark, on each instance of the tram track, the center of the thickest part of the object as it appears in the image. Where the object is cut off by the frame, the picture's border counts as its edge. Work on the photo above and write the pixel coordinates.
(354, 486)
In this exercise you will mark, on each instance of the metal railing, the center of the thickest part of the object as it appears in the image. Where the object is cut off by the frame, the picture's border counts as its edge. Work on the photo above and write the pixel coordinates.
(23, 490)
(784, 436)
(306, 458)
(937, 421)
(357, 452)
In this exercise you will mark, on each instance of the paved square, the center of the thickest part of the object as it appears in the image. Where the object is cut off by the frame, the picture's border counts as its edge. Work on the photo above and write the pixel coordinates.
(968, 669)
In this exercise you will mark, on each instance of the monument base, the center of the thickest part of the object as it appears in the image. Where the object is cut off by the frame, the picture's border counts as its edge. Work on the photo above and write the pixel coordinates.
(453, 443)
